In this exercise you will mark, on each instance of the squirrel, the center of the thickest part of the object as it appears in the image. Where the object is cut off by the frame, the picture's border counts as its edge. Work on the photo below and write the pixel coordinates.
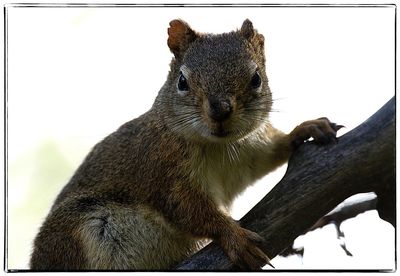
(147, 196)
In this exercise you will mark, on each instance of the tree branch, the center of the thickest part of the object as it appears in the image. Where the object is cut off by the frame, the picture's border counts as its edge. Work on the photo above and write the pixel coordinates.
(336, 217)
(346, 212)
(318, 178)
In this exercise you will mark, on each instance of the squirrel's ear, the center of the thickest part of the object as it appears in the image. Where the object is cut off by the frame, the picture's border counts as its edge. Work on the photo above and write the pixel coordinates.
(250, 34)
(180, 35)
(247, 30)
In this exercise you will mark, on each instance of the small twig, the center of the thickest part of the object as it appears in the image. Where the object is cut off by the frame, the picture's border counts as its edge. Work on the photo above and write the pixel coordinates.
(338, 215)
(342, 212)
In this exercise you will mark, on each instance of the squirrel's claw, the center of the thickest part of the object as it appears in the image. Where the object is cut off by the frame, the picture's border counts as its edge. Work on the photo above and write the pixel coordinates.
(243, 250)
(321, 130)
(337, 127)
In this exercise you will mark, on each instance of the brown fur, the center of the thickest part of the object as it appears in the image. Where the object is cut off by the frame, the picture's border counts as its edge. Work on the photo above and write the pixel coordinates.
(149, 194)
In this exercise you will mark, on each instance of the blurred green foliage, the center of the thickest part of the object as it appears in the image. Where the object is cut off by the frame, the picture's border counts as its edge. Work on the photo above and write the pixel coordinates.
(34, 180)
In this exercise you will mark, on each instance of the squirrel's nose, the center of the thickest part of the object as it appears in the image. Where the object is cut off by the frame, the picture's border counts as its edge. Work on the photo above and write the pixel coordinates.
(220, 110)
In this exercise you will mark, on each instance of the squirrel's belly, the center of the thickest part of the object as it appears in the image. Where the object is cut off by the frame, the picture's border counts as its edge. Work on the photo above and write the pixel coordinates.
(224, 174)
(121, 238)
(226, 182)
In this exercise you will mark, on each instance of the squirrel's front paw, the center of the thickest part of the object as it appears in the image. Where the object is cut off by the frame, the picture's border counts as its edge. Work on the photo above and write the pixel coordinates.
(321, 130)
(241, 247)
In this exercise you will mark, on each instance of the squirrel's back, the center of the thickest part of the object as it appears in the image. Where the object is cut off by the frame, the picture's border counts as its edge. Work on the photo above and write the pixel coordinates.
(132, 159)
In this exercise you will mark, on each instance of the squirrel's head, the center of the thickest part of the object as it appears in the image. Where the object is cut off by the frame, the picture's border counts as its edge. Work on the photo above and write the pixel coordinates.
(217, 88)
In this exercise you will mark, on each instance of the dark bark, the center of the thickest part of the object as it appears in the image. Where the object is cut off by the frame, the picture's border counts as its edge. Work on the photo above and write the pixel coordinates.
(386, 205)
(318, 178)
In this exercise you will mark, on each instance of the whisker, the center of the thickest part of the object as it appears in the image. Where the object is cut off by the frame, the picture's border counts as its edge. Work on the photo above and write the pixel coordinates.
(280, 99)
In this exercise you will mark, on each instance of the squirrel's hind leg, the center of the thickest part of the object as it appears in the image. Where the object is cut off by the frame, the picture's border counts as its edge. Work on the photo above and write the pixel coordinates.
(57, 246)
(119, 237)
(83, 233)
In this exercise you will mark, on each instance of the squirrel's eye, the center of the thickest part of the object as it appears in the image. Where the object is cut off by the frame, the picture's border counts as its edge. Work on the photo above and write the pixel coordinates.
(255, 80)
(182, 83)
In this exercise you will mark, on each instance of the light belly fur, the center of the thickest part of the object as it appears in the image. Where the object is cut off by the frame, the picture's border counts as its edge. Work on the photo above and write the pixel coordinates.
(225, 170)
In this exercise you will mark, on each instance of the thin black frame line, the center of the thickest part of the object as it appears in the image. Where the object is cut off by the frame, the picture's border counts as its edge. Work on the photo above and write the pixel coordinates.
(209, 271)
(5, 106)
(193, 5)
(395, 123)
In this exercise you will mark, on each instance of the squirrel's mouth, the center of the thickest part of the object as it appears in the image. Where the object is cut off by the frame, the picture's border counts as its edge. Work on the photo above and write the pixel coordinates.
(219, 131)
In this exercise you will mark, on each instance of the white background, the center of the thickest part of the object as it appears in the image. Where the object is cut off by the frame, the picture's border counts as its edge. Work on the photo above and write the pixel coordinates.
(77, 74)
